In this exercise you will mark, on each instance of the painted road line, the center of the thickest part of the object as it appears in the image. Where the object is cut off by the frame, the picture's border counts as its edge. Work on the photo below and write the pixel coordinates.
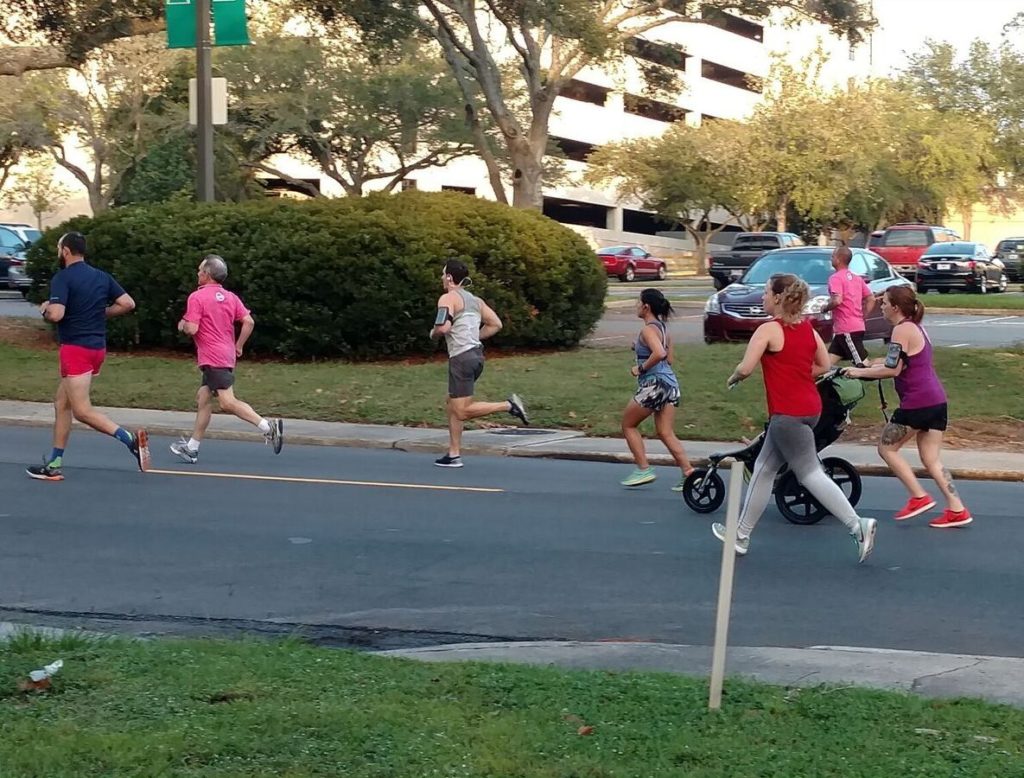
(974, 323)
(328, 481)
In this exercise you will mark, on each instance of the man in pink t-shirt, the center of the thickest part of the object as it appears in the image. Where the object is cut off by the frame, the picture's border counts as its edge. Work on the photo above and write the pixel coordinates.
(209, 319)
(850, 301)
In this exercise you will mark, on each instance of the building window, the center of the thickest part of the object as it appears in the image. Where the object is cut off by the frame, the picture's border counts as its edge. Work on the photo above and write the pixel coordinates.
(571, 149)
(575, 212)
(732, 23)
(408, 183)
(463, 189)
(658, 53)
(730, 76)
(681, 7)
(654, 109)
(584, 92)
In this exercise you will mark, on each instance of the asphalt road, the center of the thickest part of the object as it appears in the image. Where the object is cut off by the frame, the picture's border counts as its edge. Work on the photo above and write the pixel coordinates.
(558, 551)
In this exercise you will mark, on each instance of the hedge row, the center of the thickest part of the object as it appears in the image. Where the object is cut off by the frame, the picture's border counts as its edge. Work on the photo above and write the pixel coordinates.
(353, 277)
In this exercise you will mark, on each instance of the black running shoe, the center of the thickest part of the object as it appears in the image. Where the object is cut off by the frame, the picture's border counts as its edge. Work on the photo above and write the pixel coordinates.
(448, 461)
(45, 472)
(517, 408)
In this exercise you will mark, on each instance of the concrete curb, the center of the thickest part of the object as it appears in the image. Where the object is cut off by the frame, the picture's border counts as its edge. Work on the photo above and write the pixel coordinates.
(934, 310)
(430, 440)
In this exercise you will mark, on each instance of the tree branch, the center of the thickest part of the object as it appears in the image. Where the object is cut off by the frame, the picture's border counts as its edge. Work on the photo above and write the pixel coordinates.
(18, 60)
(296, 182)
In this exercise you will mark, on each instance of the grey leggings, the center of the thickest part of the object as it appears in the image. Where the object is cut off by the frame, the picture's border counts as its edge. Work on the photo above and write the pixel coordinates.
(790, 440)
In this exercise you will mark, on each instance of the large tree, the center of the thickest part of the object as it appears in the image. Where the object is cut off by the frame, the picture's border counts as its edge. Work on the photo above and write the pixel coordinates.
(525, 52)
(360, 119)
(692, 176)
(102, 111)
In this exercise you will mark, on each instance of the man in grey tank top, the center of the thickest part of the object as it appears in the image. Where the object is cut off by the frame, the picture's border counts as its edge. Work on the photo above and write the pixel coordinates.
(465, 321)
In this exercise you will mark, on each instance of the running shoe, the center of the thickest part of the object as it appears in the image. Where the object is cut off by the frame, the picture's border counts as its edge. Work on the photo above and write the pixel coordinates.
(742, 544)
(952, 519)
(184, 453)
(639, 477)
(517, 408)
(275, 437)
(45, 472)
(682, 482)
(865, 538)
(448, 461)
(140, 449)
(915, 507)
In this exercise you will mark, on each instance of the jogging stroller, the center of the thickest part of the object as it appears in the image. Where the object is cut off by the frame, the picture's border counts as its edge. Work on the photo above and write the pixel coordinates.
(704, 489)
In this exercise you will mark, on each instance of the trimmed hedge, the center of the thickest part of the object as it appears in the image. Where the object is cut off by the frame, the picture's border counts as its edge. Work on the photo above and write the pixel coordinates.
(354, 277)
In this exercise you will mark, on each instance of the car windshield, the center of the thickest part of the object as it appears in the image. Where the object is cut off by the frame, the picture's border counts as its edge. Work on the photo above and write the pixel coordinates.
(613, 249)
(31, 236)
(812, 267)
(905, 238)
(875, 240)
(755, 244)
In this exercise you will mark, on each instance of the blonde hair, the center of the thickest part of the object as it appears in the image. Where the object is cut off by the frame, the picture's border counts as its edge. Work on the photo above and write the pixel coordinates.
(794, 293)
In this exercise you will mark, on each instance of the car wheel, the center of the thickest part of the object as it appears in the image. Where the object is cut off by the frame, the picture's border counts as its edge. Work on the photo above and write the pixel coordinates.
(943, 291)
(24, 294)
(922, 290)
(662, 273)
(629, 275)
(1003, 283)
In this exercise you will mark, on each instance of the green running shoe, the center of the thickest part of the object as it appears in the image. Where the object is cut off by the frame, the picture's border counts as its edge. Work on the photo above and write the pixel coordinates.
(639, 477)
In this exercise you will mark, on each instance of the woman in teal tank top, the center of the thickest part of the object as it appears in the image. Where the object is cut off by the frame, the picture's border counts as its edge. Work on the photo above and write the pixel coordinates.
(657, 391)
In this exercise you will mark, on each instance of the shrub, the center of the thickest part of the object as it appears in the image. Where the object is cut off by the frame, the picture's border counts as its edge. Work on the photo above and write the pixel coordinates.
(355, 278)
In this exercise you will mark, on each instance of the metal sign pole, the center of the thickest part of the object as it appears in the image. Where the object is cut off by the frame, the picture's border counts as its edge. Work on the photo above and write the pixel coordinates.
(732, 515)
(204, 104)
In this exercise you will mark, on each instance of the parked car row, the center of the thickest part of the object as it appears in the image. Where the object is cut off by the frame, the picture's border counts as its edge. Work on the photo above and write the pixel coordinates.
(15, 239)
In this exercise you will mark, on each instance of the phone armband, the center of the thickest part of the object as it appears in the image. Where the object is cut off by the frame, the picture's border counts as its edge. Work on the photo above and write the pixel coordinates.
(893, 355)
(442, 317)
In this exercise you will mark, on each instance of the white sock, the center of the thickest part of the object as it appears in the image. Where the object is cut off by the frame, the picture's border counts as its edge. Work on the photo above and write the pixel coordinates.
(264, 426)
(193, 444)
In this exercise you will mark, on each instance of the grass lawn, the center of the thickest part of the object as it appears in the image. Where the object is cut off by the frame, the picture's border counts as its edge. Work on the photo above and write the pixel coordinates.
(200, 709)
(978, 301)
(583, 389)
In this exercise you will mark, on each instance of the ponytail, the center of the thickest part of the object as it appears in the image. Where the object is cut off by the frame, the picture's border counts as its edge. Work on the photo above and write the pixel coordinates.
(656, 301)
(793, 293)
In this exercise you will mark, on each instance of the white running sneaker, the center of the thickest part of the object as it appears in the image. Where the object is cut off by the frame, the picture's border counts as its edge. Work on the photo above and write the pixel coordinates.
(184, 453)
(865, 538)
(742, 544)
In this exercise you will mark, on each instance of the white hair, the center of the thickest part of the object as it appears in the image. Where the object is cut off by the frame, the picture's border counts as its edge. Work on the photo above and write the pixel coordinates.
(215, 267)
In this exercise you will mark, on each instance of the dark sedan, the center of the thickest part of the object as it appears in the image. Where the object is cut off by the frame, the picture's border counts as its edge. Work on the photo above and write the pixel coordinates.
(964, 266)
(734, 313)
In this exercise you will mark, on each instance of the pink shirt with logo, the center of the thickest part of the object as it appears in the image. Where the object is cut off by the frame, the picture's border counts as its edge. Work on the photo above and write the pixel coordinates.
(849, 316)
(215, 310)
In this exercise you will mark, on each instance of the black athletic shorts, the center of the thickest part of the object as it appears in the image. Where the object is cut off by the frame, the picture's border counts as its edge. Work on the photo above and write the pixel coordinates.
(217, 378)
(934, 417)
(463, 371)
(849, 346)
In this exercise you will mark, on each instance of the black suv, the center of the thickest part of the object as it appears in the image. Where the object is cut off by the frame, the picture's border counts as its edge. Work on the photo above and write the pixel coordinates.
(1011, 252)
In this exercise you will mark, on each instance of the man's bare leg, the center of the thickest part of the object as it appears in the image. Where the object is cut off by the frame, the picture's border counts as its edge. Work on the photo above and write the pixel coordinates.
(62, 418)
(204, 413)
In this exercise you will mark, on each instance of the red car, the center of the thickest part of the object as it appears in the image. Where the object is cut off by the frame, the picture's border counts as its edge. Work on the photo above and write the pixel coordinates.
(628, 263)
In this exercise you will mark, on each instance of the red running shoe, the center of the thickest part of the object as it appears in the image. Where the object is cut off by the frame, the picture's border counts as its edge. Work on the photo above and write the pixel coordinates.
(915, 507)
(952, 519)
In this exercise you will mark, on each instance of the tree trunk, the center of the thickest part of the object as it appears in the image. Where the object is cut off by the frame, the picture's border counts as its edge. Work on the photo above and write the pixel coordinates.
(780, 215)
(527, 176)
(968, 217)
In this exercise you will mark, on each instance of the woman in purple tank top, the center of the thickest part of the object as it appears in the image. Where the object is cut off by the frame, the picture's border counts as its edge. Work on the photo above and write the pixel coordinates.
(922, 412)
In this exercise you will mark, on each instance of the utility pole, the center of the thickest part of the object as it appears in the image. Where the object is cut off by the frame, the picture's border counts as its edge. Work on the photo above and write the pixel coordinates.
(204, 104)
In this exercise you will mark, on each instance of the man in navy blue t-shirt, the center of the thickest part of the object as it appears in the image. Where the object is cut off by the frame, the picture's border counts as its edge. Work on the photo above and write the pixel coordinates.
(82, 298)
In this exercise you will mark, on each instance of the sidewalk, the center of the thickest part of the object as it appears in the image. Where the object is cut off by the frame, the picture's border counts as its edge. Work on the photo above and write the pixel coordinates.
(968, 465)
(991, 678)
(995, 679)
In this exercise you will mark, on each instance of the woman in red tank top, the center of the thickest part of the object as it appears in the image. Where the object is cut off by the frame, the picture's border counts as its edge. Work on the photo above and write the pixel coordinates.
(791, 355)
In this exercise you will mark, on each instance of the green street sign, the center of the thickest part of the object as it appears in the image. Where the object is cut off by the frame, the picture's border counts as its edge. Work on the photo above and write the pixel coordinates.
(229, 23)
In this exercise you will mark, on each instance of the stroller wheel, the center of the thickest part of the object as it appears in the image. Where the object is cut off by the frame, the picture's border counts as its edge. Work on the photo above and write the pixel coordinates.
(799, 506)
(704, 492)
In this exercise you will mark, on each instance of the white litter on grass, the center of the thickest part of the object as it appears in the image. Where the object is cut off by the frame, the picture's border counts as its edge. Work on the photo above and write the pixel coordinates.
(47, 672)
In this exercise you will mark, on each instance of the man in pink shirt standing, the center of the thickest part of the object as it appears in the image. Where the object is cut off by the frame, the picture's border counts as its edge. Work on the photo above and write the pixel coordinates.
(850, 300)
(209, 319)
